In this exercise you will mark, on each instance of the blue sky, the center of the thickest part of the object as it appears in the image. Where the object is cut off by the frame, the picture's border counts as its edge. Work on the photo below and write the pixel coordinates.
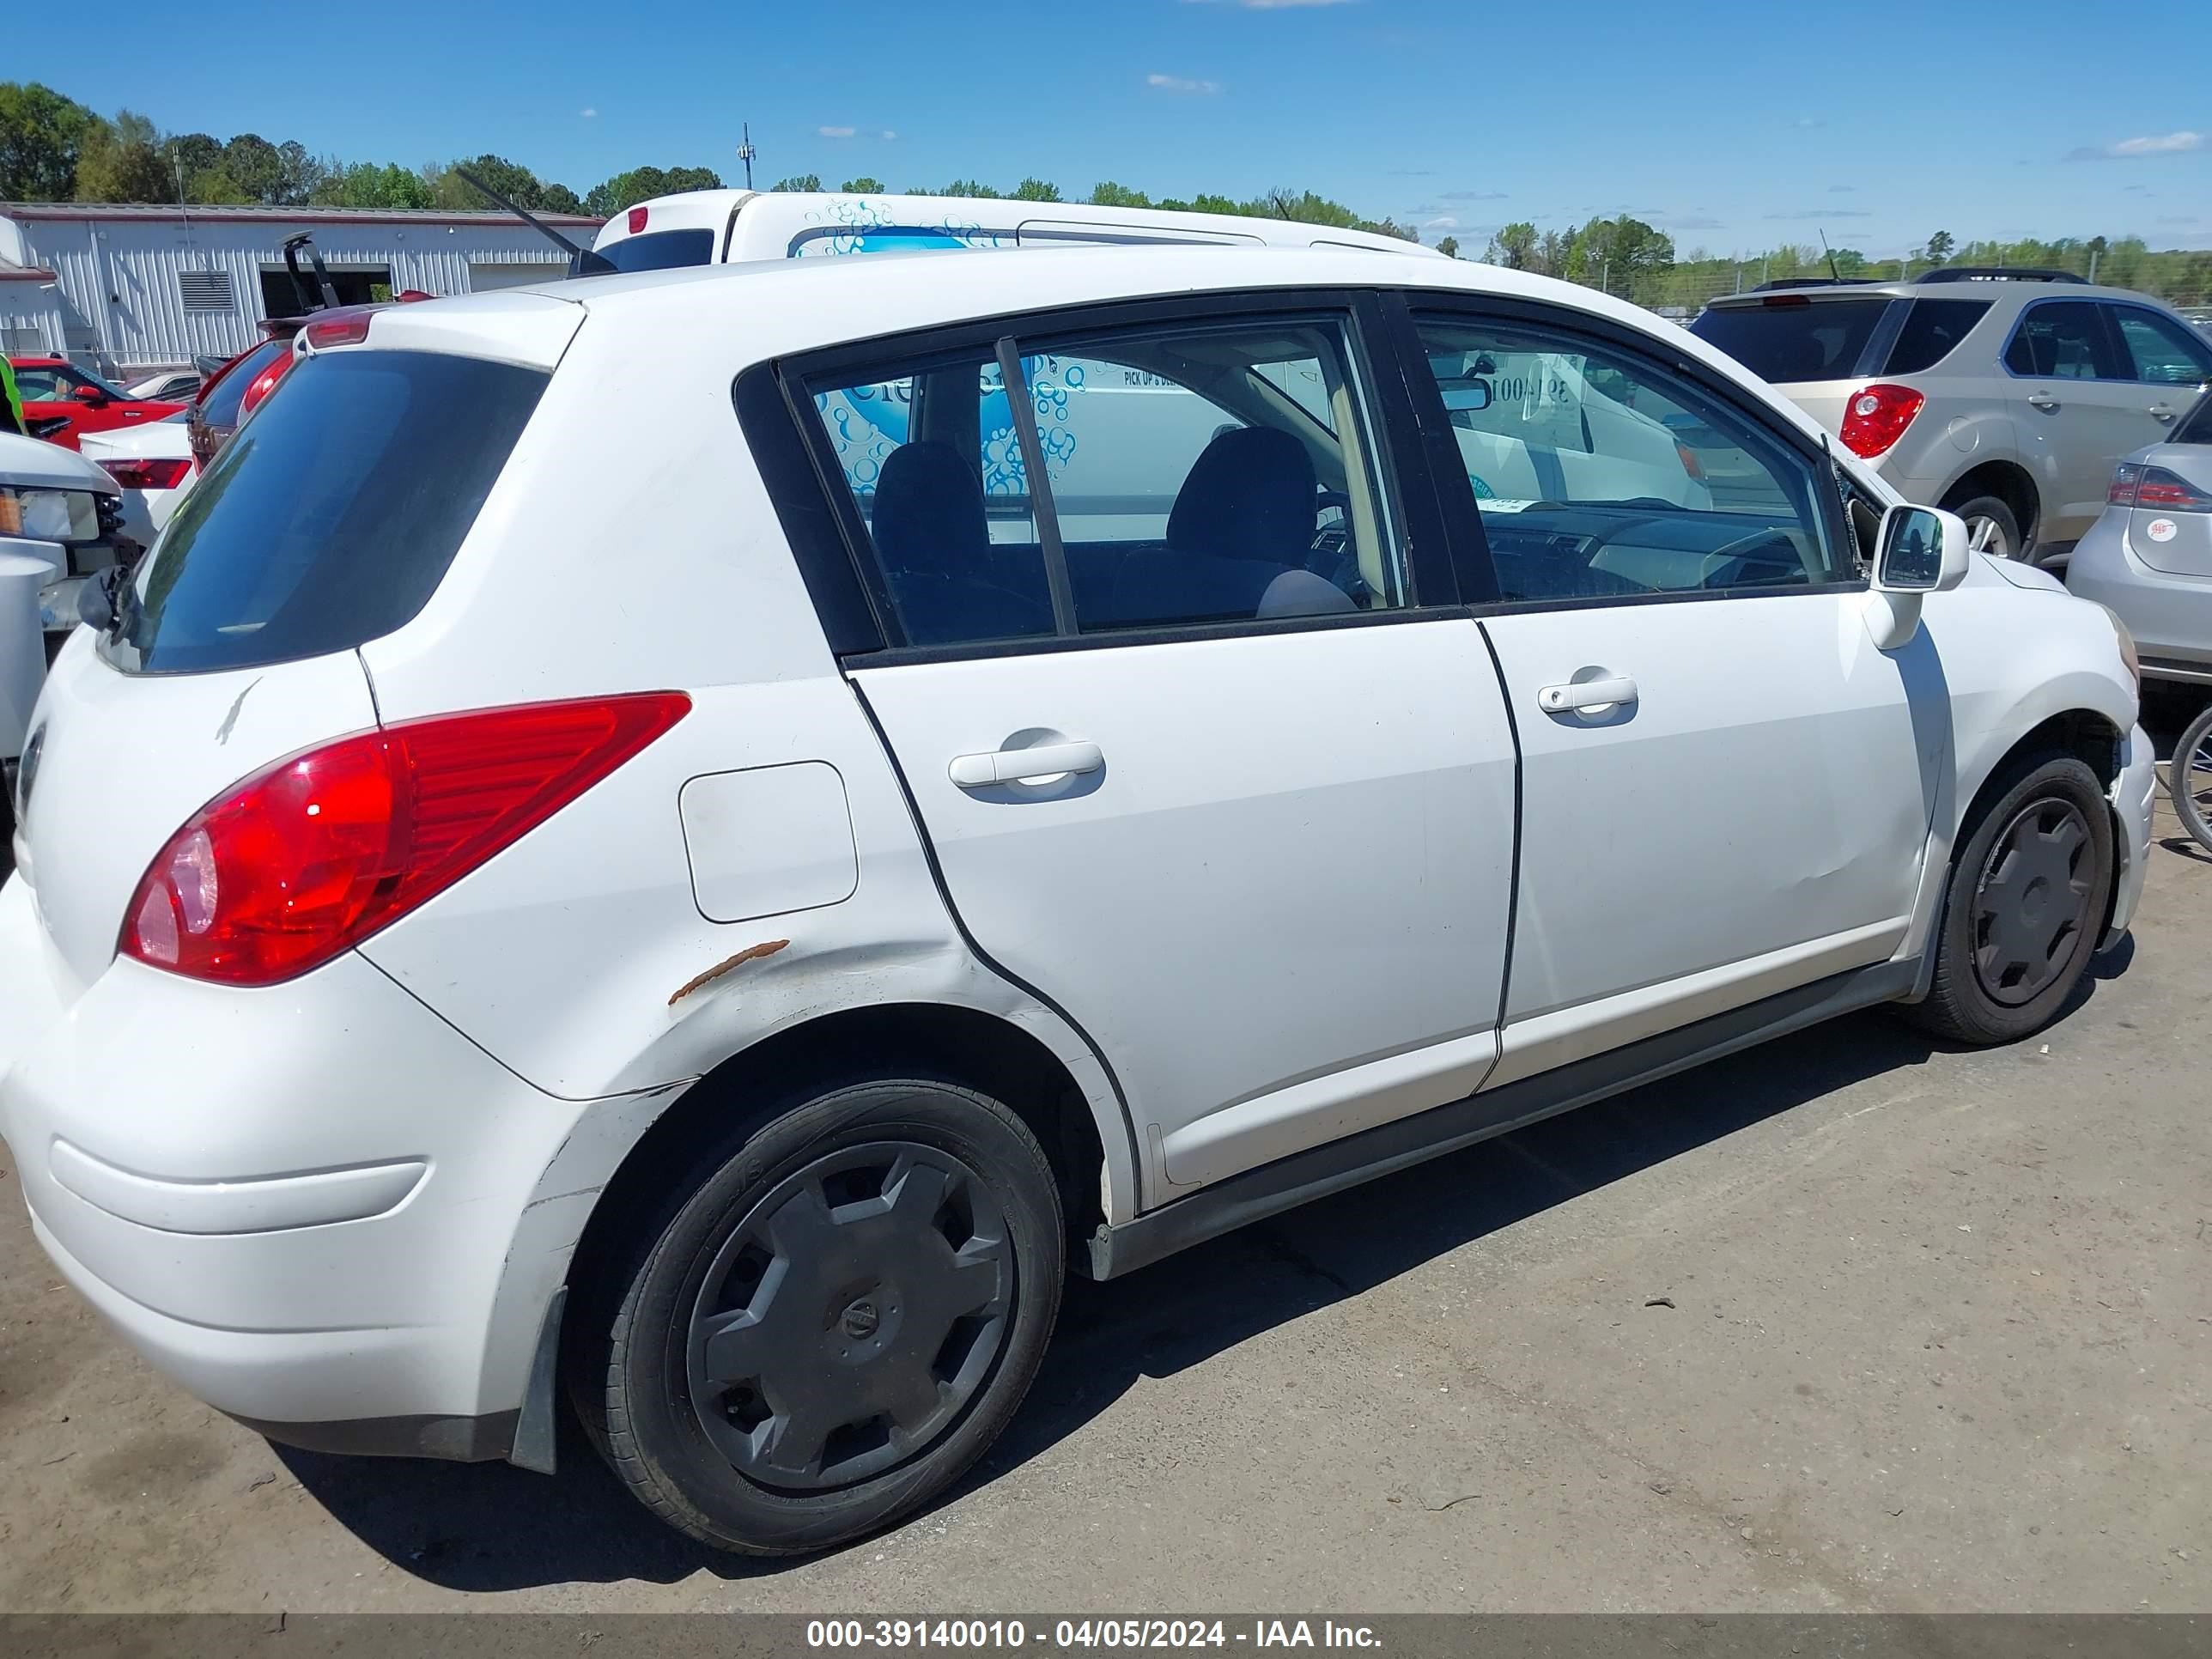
(1732, 127)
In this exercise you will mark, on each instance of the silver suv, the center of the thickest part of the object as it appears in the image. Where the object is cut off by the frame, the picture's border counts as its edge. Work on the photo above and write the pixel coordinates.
(2005, 396)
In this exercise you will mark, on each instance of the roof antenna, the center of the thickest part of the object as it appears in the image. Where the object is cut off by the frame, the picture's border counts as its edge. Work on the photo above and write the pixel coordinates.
(1831, 253)
(582, 261)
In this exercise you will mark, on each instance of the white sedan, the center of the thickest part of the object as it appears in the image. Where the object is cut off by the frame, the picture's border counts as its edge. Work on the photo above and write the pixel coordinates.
(1095, 770)
(152, 464)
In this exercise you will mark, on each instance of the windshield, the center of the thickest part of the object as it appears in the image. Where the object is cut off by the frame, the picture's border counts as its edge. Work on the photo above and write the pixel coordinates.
(660, 250)
(333, 517)
(1792, 338)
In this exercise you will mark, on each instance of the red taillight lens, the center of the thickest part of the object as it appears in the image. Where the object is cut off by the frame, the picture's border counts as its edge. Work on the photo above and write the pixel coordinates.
(1877, 417)
(1692, 466)
(165, 473)
(309, 857)
(262, 383)
(339, 331)
(637, 216)
(2169, 492)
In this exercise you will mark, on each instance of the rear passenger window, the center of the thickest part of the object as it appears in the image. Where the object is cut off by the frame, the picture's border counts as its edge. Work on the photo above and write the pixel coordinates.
(2063, 340)
(1932, 328)
(1599, 476)
(1190, 476)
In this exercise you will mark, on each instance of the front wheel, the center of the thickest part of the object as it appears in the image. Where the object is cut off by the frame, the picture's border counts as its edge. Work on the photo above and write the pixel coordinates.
(2189, 779)
(833, 1324)
(2024, 905)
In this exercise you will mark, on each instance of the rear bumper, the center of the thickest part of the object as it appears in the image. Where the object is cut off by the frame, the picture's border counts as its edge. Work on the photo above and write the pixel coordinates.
(2134, 797)
(2170, 615)
(309, 1205)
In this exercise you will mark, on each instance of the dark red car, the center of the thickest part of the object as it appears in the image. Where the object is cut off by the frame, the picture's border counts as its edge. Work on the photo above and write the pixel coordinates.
(54, 388)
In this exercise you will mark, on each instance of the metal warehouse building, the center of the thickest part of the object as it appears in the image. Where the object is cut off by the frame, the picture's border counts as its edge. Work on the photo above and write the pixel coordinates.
(125, 287)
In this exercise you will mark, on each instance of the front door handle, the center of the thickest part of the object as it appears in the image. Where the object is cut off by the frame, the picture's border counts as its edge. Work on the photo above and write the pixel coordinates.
(2042, 400)
(1578, 696)
(1047, 760)
(2160, 413)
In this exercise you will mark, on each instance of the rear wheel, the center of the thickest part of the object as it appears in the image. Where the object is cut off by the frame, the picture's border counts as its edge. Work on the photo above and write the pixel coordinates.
(2189, 779)
(1991, 528)
(833, 1325)
(2023, 908)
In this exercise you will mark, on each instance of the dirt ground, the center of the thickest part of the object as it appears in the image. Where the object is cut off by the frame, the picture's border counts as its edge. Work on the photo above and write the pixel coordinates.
(1846, 1323)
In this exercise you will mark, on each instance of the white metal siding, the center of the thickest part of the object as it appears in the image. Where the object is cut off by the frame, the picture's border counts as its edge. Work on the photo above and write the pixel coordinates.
(122, 273)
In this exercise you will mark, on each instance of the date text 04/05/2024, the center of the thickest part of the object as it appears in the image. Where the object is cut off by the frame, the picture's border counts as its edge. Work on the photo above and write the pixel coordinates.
(1087, 1633)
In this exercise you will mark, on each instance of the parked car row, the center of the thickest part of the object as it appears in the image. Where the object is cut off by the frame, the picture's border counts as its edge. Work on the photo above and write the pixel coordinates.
(1144, 742)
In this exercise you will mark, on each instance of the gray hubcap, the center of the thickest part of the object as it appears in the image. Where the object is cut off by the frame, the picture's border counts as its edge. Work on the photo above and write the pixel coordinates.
(851, 1317)
(2032, 902)
(1988, 535)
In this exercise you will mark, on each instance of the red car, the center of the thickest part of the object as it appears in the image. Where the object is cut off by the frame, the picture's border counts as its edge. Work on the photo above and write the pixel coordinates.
(55, 388)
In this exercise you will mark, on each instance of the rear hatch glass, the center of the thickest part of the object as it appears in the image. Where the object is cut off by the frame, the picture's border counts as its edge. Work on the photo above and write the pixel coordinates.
(660, 250)
(331, 517)
(1791, 339)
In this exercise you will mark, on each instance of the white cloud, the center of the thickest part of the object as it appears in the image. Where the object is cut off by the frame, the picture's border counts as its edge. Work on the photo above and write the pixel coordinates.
(1843, 190)
(1180, 83)
(836, 132)
(1474, 196)
(1821, 213)
(1812, 121)
(887, 134)
(588, 113)
(1699, 223)
(2128, 149)
(1445, 223)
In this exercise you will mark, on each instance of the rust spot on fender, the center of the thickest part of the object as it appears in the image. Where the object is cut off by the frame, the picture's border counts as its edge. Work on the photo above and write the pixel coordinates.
(752, 953)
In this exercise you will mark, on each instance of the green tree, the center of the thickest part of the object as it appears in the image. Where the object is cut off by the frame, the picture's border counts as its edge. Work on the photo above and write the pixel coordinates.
(863, 185)
(510, 179)
(969, 187)
(1035, 190)
(123, 162)
(366, 185)
(302, 176)
(255, 166)
(642, 184)
(1448, 247)
(1513, 246)
(1623, 255)
(1939, 247)
(1110, 194)
(559, 198)
(805, 181)
(1205, 203)
(41, 137)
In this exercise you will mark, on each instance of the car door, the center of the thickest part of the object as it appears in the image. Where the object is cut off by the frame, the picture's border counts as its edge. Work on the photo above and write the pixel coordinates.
(1726, 789)
(45, 399)
(2169, 362)
(2076, 409)
(1202, 758)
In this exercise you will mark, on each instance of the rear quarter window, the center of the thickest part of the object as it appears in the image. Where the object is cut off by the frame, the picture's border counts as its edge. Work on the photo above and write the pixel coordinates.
(333, 517)
(219, 404)
(2196, 427)
(1933, 330)
(1790, 339)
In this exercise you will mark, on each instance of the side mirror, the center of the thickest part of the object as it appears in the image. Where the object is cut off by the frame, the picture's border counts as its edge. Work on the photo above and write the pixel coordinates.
(1465, 396)
(1921, 550)
(89, 394)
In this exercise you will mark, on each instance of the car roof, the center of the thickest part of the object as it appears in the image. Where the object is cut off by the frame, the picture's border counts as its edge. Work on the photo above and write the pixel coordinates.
(768, 308)
(2026, 291)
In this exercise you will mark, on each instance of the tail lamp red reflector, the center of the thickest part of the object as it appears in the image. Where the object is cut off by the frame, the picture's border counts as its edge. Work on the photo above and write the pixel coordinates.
(2153, 487)
(1876, 417)
(637, 218)
(308, 858)
(148, 472)
(338, 330)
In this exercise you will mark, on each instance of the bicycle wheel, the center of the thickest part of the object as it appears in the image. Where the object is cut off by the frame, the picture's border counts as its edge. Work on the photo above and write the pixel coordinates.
(2188, 780)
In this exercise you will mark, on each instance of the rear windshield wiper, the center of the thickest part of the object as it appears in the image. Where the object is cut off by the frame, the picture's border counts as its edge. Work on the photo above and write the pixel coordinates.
(582, 261)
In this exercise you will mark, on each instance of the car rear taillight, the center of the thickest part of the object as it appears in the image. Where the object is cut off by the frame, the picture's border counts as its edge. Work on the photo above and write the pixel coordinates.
(163, 472)
(337, 331)
(262, 385)
(1876, 417)
(1692, 466)
(305, 860)
(2147, 487)
(637, 217)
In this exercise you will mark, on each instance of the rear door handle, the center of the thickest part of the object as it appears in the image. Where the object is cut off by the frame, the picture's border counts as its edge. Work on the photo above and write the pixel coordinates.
(2041, 400)
(1580, 695)
(1049, 760)
(2160, 413)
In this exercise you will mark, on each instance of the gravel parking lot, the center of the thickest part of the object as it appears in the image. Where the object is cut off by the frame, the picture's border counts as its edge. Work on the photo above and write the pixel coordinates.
(1842, 1323)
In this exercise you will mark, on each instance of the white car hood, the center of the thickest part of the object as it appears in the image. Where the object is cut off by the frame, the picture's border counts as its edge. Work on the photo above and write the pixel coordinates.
(160, 439)
(34, 463)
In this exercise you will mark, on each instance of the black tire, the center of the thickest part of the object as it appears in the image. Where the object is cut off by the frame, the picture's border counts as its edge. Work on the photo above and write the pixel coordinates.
(1994, 512)
(2189, 779)
(891, 1202)
(2025, 903)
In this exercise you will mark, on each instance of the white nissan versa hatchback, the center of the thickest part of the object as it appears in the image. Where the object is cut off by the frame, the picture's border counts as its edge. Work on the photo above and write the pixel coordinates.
(724, 908)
